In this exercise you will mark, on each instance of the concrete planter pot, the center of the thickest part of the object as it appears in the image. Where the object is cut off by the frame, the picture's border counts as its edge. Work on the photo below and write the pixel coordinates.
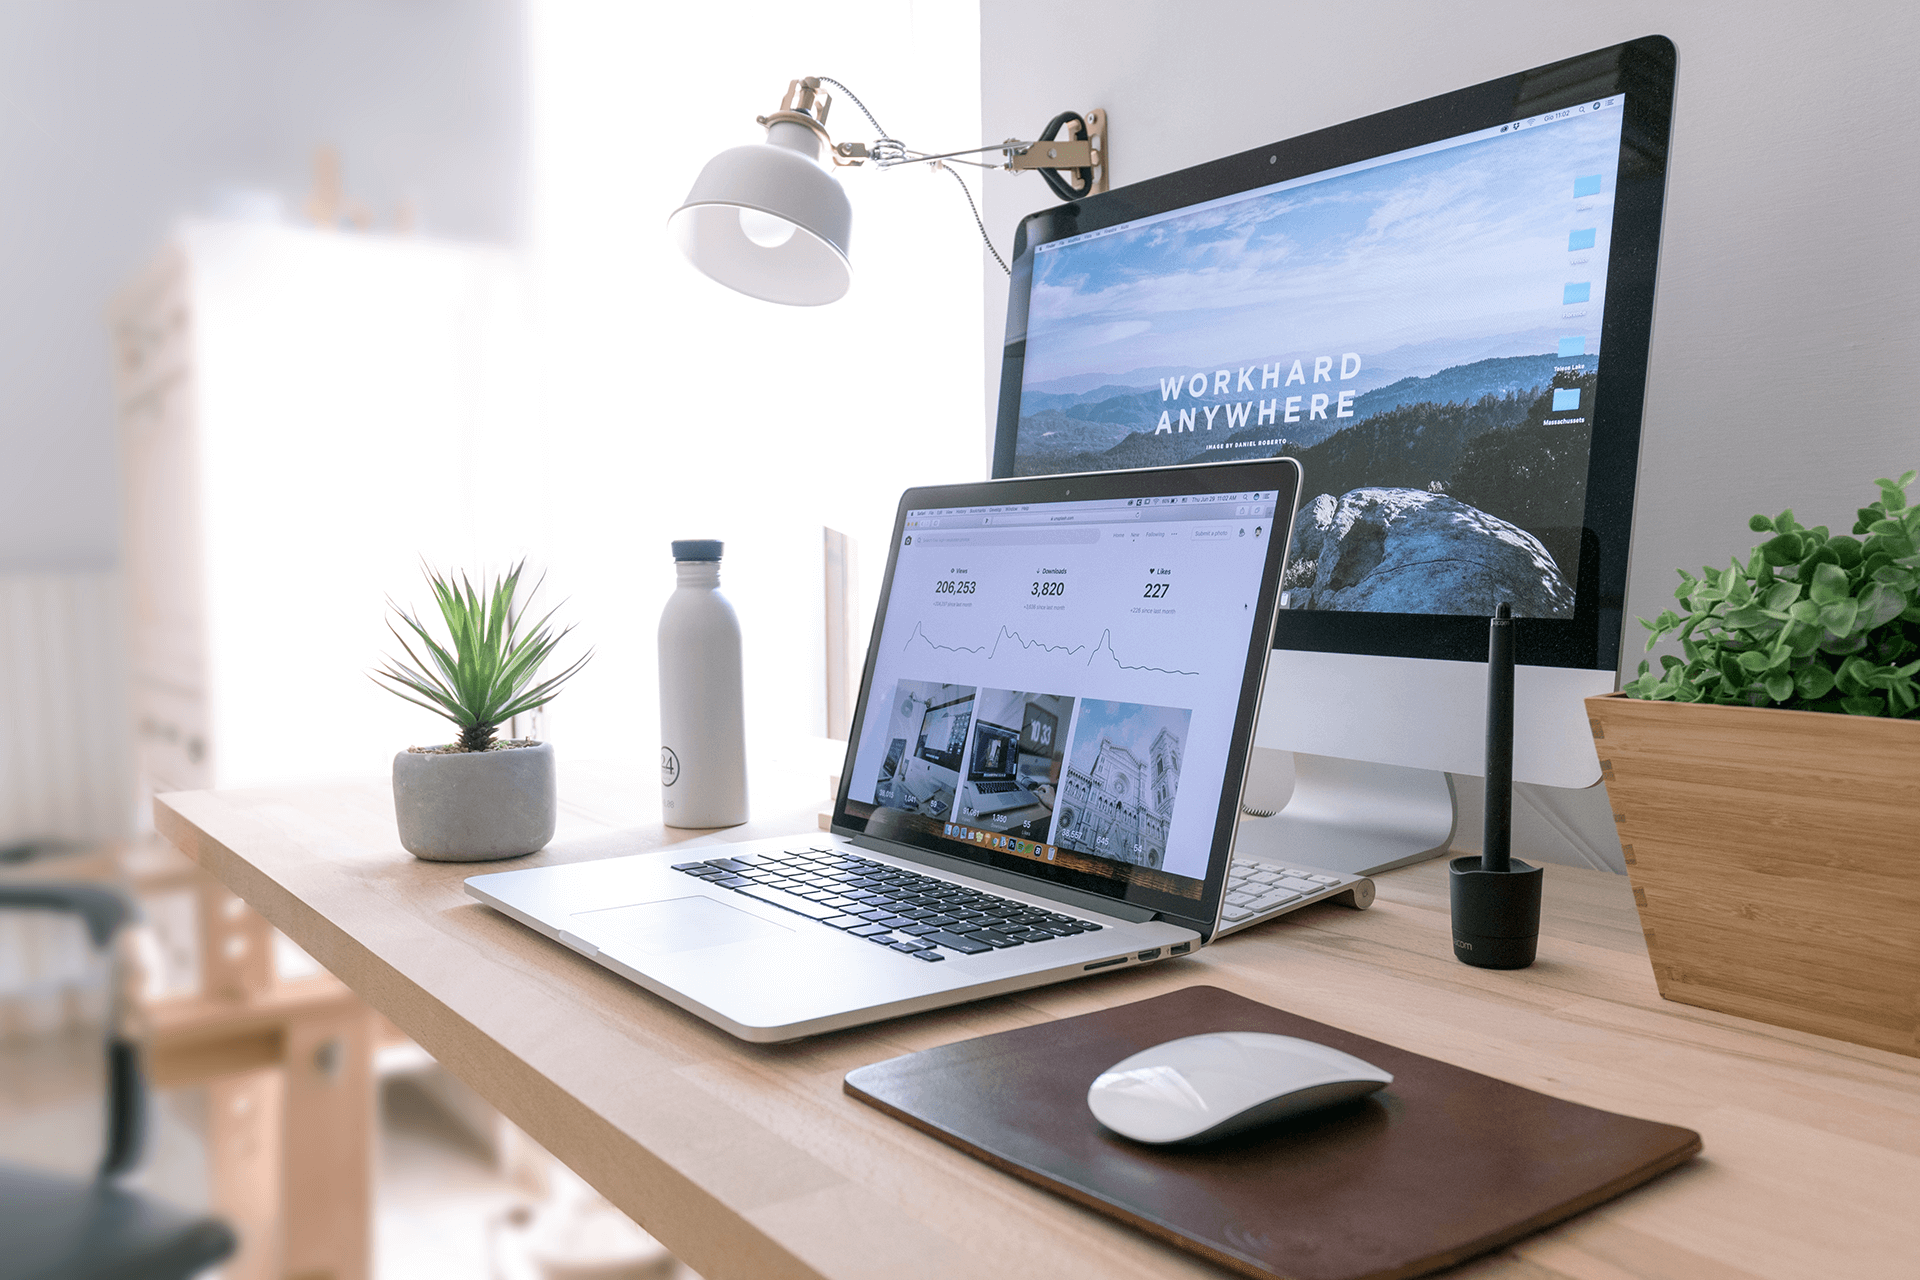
(1773, 861)
(475, 806)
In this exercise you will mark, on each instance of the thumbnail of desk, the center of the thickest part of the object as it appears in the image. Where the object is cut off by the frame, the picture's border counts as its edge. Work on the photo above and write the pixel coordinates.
(750, 1163)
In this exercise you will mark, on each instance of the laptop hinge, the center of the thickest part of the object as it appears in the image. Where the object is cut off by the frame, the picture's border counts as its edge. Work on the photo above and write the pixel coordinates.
(1012, 880)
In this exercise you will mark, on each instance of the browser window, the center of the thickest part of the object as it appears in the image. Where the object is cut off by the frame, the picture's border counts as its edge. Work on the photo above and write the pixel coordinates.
(1421, 329)
(1059, 681)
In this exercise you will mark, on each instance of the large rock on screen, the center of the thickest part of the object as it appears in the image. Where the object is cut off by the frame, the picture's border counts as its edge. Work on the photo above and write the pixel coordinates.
(1411, 551)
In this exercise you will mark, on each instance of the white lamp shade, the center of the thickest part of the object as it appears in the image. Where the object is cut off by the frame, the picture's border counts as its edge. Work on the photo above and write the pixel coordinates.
(723, 228)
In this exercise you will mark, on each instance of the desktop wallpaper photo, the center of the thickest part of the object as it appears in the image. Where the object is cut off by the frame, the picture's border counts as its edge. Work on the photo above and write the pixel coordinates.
(1421, 333)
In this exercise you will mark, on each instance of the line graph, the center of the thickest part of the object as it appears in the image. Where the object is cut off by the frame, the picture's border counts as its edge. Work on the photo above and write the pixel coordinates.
(1104, 644)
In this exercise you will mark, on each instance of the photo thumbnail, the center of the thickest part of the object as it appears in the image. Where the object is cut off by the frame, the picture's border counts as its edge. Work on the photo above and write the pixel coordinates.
(926, 735)
(1014, 766)
(1123, 771)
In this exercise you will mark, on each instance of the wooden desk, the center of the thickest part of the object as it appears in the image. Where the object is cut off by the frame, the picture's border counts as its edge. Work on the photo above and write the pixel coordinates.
(749, 1162)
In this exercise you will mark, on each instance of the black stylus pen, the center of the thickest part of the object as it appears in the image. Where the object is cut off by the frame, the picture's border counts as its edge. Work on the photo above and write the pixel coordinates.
(1496, 849)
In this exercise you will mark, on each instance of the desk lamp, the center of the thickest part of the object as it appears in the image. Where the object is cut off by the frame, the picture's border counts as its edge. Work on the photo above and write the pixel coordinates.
(771, 221)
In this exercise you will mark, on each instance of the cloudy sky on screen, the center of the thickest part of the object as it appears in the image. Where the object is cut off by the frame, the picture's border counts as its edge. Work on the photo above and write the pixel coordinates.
(1455, 245)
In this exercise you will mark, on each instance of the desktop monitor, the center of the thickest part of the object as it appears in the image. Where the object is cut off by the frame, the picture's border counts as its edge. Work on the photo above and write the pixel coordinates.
(944, 730)
(996, 751)
(1443, 312)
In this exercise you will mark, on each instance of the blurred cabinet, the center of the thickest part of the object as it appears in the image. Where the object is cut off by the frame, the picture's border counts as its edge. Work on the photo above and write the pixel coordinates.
(305, 417)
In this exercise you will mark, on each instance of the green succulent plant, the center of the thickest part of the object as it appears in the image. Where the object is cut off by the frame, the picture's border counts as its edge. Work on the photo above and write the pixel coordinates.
(1811, 622)
(481, 679)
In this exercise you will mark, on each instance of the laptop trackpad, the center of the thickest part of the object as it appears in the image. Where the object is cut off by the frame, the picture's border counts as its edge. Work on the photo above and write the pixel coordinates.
(678, 924)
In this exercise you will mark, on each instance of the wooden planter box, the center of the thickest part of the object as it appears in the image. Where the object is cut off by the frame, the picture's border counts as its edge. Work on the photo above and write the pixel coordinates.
(1775, 859)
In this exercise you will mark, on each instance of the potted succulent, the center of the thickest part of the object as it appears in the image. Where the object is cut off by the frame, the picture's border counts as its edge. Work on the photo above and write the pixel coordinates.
(1766, 780)
(479, 797)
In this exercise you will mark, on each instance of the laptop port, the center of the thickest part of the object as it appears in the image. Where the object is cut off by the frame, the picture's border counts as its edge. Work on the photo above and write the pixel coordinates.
(1180, 949)
(1102, 964)
(1150, 955)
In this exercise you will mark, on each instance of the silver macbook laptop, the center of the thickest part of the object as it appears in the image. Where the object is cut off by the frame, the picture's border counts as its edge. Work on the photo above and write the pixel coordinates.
(1043, 778)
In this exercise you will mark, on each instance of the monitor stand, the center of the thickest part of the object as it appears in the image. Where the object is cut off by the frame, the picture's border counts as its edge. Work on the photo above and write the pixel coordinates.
(1347, 815)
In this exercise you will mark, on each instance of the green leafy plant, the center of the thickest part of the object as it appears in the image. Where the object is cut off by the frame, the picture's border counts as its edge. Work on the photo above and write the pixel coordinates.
(1810, 622)
(482, 678)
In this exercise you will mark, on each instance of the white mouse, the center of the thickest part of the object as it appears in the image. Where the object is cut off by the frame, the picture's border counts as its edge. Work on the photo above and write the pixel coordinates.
(1199, 1088)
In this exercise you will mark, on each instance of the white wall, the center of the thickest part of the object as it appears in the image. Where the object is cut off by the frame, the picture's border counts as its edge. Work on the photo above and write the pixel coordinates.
(118, 116)
(1789, 294)
(677, 408)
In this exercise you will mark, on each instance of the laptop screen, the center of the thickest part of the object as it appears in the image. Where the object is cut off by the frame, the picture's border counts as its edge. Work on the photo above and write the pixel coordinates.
(1071, 671)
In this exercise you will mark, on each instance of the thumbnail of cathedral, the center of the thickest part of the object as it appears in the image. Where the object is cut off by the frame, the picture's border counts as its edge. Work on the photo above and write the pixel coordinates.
(1120, 807)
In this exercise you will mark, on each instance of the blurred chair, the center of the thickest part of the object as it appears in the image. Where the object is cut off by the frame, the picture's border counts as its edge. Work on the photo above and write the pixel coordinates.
(59, 1228)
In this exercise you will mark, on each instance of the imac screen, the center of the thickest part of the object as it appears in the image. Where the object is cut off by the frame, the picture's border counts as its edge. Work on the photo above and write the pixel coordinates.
(1424, 328)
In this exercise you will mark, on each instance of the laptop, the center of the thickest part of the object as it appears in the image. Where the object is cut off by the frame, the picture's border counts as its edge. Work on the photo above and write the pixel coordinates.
(993, 787)
(1121, 619)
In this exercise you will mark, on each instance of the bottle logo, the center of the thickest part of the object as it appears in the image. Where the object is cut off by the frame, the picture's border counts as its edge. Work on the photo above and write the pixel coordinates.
(669, 767)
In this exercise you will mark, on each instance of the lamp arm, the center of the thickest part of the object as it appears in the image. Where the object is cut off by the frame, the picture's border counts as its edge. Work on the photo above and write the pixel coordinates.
(1009, 147)
(1086, 153)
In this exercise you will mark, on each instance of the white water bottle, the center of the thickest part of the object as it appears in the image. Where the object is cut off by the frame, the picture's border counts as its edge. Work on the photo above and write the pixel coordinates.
(703, 734)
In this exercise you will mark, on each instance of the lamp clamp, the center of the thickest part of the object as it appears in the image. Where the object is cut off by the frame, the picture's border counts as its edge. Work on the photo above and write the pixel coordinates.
(1086, 152)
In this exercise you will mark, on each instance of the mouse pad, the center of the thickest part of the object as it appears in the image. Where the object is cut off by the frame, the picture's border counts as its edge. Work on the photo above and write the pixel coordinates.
(1439, 1166)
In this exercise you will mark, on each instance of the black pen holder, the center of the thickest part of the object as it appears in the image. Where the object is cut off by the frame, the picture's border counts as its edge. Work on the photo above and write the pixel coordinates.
(1496, 914)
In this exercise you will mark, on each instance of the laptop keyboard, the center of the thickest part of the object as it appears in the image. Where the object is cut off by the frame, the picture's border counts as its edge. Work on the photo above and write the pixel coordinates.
(995, 788)
(922, 916)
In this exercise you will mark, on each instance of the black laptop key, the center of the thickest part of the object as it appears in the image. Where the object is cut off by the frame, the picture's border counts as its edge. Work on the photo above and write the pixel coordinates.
(727, 864)
(896, 922)
(687, 866)
(792, 902)
(993, 939)
(868, 930)
(953, 941)
(885, 938)
(908, 946)
(941, 922)
(730, 882)
(918, 930)
(928, 954)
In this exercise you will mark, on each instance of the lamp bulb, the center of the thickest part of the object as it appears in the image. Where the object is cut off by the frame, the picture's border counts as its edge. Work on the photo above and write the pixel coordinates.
(765, 229)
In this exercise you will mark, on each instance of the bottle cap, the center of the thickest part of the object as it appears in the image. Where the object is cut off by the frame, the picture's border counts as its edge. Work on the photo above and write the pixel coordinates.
(696, 549)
